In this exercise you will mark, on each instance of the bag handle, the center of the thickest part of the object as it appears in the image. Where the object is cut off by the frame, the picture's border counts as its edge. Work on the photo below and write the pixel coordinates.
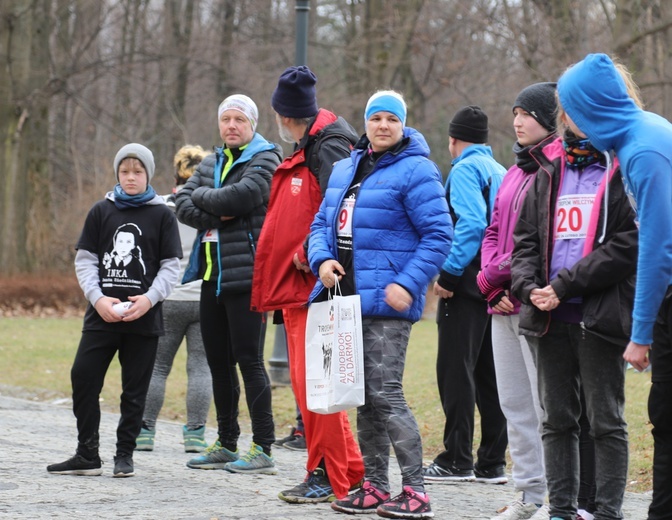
(337, 288)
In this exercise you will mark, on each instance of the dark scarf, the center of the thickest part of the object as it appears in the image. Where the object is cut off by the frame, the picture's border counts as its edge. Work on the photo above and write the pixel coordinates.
(579, 151)
(524, 159)
(123, 200)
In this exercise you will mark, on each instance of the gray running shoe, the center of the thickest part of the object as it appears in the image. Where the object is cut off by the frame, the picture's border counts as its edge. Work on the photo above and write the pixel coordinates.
(214, 457)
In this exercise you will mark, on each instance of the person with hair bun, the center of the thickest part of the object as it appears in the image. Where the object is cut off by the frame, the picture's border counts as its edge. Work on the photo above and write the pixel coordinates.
(182, 321)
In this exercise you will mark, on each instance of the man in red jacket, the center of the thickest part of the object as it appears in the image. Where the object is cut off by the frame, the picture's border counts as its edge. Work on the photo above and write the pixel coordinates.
(283, 281)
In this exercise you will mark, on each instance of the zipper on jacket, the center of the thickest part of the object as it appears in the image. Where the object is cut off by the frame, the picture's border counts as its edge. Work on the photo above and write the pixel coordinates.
(521, 190)
(250, 238)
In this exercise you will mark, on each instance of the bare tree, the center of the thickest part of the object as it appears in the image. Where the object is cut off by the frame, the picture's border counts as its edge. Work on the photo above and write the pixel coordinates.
(26, 205)
(84, 77)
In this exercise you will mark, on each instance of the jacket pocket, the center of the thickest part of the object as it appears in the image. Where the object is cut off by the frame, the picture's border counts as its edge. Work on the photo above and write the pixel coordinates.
(609, 312)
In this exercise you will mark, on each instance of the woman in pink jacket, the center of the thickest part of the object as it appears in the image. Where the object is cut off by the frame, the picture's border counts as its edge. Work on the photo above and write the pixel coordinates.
(534, 123)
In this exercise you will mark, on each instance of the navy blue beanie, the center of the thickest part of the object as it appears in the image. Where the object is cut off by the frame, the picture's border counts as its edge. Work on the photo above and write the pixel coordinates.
(295, 94)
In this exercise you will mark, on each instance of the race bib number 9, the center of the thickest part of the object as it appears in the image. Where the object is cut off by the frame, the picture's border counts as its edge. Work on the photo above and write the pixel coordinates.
(345, 218)
(573, 216)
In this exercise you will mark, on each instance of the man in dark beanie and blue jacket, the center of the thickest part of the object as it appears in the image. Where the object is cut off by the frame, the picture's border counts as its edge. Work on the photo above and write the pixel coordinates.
(283, 281)
(465, 367)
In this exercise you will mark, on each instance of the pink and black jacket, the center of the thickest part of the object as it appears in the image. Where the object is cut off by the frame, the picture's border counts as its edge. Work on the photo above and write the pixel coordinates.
(604, 278)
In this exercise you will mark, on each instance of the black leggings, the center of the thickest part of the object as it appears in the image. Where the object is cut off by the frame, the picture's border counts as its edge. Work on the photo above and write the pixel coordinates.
(232, 334)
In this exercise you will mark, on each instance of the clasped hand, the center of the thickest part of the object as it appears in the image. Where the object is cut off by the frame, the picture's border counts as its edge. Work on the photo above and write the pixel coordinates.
(544, 299)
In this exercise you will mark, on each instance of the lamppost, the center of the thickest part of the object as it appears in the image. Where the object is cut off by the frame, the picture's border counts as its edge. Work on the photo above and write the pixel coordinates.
(278, 365)
(302, 8)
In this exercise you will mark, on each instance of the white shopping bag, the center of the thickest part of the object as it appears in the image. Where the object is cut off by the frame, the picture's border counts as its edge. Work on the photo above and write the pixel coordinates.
(334, 354)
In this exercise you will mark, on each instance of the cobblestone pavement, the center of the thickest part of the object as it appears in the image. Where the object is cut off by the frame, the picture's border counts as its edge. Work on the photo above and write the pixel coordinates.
(34, 434)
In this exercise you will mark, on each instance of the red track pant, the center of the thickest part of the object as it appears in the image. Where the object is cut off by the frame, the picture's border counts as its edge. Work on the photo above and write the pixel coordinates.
(328, 437)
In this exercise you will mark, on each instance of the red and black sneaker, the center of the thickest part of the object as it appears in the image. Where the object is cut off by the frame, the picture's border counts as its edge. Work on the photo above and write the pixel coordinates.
(365, 500)
(408, 504)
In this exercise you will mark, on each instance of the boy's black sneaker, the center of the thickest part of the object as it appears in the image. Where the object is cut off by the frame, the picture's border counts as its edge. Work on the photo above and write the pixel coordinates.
(438, 474)
(123, 466)
(77, 465)
(493, 475)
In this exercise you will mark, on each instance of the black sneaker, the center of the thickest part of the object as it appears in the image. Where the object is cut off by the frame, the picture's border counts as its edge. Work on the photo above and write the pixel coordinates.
(298, 443)
(316, 488)
(123, 466)
(493, 475)
(292, 435)
(77, 465)
(439, 474)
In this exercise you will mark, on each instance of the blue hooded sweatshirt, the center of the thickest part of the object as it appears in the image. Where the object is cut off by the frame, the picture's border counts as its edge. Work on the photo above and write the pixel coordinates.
(594, 95)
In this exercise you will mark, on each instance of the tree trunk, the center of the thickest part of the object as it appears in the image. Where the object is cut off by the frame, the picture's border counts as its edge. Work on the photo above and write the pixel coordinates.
(26, 204)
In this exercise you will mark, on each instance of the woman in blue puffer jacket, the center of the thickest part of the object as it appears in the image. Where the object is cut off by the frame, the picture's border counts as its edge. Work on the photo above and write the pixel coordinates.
(383, 229)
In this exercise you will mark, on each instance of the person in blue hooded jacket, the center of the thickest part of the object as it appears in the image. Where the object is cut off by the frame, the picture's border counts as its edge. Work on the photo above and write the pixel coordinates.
(594, 95)
(383, 229)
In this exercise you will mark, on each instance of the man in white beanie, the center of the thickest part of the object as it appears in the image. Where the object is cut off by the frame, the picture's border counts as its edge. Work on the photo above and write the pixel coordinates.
(226, 200)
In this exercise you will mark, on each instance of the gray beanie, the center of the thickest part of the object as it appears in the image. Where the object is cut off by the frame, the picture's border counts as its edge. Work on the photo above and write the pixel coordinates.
(538, 100)
(136, 151)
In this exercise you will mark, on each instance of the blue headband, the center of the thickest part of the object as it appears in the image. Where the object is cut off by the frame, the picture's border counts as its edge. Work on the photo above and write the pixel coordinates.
(386, 103)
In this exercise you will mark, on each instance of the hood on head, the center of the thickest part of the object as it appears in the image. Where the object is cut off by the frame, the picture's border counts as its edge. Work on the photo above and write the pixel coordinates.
(595, 97)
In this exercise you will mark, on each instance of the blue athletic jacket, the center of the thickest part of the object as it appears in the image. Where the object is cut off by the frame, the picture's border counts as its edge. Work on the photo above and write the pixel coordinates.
(473, 171)
(401, 228)
(595, 97)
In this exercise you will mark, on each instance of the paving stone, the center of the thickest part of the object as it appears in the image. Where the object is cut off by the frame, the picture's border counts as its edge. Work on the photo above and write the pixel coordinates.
(35, 434)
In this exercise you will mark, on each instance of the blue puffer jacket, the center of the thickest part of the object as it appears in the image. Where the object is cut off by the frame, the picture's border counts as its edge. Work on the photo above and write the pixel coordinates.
(401, 228)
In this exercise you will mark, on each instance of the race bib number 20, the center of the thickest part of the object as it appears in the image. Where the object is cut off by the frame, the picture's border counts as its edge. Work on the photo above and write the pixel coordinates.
(573, 216)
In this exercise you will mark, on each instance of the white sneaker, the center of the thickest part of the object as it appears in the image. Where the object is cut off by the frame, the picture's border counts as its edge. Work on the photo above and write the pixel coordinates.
(517, 510)
(541, 514)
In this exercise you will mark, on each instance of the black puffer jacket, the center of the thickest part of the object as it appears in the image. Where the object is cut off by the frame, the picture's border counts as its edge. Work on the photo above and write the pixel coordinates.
(604, 278)
(242, 195)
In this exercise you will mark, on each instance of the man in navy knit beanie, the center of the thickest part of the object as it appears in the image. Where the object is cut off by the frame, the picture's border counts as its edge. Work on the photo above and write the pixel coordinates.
(283, 281)
(295, 94)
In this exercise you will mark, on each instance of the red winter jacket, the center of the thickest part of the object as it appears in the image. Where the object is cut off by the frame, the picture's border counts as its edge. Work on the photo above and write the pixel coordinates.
(295, 198)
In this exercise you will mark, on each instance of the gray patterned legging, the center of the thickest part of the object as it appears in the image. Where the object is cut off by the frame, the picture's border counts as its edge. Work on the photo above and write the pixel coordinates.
(181, 320)
(385, 418)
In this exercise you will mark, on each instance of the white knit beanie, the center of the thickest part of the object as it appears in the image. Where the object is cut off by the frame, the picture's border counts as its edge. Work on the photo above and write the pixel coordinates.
(243, 104)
